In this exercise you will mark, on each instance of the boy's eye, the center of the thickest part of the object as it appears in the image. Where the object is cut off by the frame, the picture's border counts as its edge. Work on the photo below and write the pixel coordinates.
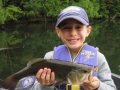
(79, 27)
(66, 28)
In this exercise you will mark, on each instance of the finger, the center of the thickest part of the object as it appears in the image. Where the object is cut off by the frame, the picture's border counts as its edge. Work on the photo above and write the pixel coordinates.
(39, 74)
(52, 77)
(86, 82)
(95, 79)
(92, 80)
(48, 76)
(43, 76)
(92, 85)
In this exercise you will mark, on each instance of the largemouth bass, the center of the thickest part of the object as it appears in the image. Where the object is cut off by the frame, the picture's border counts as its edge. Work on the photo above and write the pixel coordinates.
(63, 71)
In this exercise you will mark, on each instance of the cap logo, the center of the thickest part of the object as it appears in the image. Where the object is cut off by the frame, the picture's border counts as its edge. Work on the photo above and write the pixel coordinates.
(71, 9)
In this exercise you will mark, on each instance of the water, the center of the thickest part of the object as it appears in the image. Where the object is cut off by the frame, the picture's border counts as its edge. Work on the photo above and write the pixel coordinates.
(23, 42)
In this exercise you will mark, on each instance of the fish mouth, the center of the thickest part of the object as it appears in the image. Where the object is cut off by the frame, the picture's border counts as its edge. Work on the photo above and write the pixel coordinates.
(79, 76)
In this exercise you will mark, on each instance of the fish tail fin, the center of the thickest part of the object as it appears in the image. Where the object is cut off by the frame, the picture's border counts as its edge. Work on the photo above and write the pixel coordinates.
(10, 82)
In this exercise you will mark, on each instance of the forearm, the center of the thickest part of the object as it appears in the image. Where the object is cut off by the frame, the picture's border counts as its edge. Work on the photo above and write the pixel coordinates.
(104, 86)
(104, 74)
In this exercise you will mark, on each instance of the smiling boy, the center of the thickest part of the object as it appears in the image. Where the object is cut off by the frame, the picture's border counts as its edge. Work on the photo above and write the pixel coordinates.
(73, 27)
(73, 33)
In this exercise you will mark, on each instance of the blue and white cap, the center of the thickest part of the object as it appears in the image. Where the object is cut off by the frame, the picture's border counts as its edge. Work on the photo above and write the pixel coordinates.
(74, 12)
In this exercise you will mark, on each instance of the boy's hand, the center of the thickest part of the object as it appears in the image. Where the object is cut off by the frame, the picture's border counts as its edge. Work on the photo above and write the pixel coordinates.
(91, 85)
(45, 76)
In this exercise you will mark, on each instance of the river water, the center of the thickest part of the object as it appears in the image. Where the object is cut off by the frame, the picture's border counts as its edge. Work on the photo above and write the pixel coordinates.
(20, 43)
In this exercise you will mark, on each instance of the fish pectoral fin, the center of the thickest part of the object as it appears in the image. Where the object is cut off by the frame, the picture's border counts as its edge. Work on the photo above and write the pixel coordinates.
(59, 82)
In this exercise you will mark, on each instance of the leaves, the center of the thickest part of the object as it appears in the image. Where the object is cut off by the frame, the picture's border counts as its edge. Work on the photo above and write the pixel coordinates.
(30, 10)
(9, 13)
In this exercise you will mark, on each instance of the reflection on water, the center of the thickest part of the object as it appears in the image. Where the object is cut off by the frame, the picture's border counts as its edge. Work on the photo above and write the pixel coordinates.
(119, 67)
(34, 40)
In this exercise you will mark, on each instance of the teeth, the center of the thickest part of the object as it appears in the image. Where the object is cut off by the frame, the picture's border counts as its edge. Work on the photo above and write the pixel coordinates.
(73, 40)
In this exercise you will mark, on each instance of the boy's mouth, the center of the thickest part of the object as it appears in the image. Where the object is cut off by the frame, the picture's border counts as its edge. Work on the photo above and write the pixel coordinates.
(73, 41)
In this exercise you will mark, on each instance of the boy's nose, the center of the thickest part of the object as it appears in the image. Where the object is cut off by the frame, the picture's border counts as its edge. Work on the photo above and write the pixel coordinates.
(73, 32)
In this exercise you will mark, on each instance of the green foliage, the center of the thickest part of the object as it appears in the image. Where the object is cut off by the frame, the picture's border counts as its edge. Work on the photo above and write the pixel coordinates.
(3, 42)
(103, 9)
(91, 6)
(9, 13)
(53, 7)
(12, 38)
(31, 7)
(49, 9)
(113, 6)
(2, 14)
(12, 12)
(116, 8)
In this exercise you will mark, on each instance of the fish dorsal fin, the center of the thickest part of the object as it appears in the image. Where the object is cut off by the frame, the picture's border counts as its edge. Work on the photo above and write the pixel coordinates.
(33, 61)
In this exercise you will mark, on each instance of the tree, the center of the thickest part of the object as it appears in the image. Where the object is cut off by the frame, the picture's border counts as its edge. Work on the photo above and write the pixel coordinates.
(113, 6)
(8, 13)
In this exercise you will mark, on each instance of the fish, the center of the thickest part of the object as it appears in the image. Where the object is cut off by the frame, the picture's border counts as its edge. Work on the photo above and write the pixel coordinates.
(62, 69)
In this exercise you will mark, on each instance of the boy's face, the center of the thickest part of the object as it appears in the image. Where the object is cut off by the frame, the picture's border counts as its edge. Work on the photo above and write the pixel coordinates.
(73, 33)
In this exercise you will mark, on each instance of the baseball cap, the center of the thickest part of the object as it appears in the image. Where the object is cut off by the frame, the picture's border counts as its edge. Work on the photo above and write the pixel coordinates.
(73, 12)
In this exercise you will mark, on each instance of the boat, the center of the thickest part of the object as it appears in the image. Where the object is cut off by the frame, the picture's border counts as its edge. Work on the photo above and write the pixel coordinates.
(116, 79)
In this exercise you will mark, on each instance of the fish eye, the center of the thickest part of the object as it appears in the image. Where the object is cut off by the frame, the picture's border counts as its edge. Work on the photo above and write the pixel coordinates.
(84, 71)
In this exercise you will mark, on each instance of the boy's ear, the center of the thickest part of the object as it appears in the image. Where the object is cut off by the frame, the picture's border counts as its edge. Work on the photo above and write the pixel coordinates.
(57, 31)
(89, 29)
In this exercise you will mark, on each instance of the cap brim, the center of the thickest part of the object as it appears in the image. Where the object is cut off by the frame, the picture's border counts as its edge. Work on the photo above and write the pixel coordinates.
(78, 18)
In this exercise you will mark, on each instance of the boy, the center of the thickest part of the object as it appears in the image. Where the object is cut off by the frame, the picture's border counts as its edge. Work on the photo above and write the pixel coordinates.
(73, 27)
